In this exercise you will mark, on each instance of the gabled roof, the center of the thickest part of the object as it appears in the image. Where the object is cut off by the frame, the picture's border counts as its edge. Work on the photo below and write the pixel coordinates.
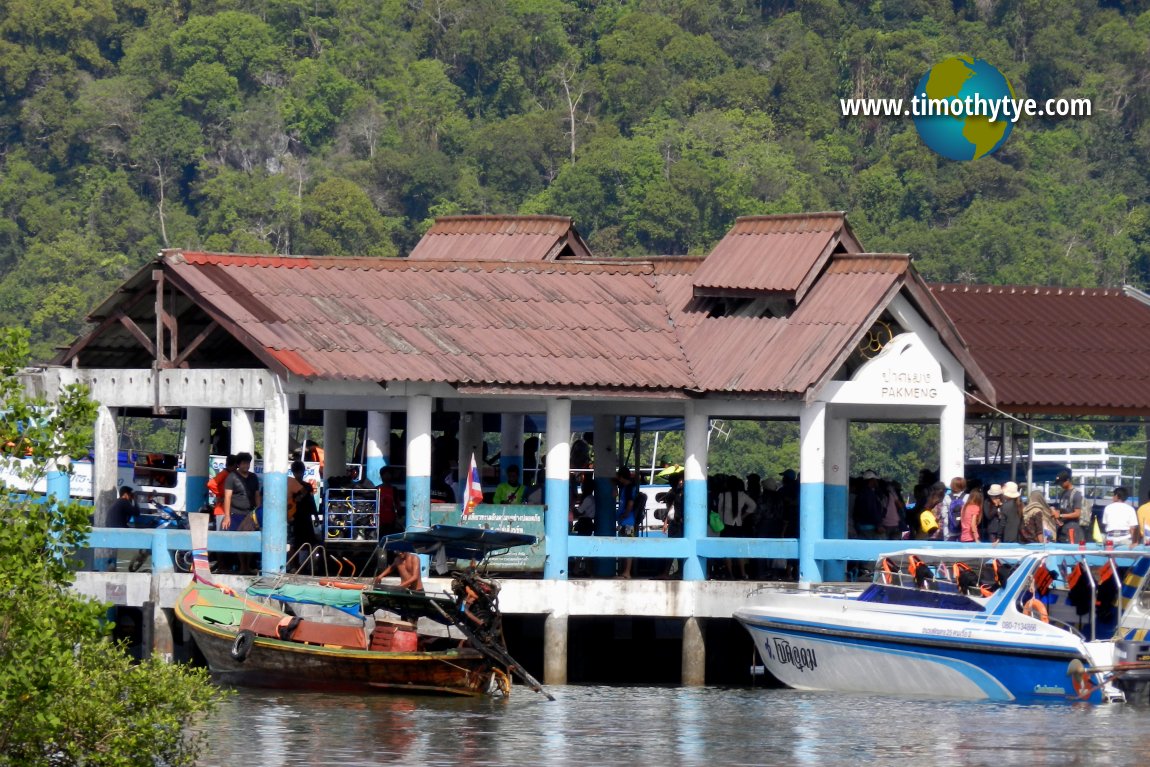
(802, 351)
(781, 253)
(617, 326)
(1057, 350)
(501, 238)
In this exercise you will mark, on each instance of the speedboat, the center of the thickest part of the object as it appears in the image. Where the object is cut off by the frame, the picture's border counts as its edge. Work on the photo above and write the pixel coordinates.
(1009, 624)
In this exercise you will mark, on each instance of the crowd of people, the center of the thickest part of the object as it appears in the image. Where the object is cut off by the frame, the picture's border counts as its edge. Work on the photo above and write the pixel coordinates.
(966, 511)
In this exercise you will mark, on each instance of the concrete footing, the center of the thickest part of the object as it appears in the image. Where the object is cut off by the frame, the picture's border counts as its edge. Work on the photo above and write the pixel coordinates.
(555, 649)
(694, 653)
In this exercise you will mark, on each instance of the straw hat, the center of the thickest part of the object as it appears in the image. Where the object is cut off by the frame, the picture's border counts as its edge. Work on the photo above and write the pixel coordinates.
(995, 490)
(1010, 490)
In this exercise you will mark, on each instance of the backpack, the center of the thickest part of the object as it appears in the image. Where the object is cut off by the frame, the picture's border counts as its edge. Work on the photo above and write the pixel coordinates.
(954, 514)
(927, 521)
(639, 508)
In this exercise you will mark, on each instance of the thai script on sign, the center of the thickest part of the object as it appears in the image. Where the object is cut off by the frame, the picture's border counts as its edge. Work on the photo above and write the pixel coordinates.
(964, 633)
(802, 658)
(898, 384)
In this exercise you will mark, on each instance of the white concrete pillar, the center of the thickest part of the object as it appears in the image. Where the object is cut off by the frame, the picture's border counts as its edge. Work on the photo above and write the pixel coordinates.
(105, 478)
(511, 444)
(952, 439)
(695, 427)
(273, 540)
(837, 491)
(378, 445)
(418, 461)
(197, 455)
(334, 443)
(243, 432)
(558, 488)
(812, 490)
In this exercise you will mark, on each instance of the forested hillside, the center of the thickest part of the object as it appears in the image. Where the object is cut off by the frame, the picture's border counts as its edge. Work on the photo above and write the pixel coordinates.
(344, 126)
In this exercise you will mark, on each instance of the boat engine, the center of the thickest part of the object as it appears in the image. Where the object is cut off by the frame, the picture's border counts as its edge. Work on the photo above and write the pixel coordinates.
(1132, 669)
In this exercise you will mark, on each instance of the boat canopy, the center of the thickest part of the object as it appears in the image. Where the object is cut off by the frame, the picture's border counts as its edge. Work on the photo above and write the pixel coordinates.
(455, 542)
(346, 600)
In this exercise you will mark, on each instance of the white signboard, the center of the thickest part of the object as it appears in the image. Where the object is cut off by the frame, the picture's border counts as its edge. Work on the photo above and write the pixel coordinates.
(904, 372)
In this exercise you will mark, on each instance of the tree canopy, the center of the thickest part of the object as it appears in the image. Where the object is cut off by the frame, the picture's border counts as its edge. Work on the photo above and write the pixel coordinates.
(68, 695)
(343, 127)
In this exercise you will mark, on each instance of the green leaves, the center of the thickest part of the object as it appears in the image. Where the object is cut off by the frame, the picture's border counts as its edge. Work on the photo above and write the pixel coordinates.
(342, 127)
(68, 696)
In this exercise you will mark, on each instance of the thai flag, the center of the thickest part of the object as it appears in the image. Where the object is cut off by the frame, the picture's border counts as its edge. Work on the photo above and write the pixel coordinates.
(472, 490)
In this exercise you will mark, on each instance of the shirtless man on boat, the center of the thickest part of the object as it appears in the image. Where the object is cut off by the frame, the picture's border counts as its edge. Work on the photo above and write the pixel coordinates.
(406, 566)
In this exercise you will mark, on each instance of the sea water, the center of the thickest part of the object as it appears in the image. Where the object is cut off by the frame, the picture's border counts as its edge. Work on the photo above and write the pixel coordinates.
(665, 726)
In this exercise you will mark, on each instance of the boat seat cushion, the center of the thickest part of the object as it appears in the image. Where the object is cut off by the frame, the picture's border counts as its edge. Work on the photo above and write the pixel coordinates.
(310, 632)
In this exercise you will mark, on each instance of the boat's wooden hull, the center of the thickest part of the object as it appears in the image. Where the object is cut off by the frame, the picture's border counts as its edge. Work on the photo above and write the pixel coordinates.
(283, 664)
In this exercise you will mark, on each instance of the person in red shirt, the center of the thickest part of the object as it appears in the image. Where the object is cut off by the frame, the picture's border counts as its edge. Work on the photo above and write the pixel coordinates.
(216, 488)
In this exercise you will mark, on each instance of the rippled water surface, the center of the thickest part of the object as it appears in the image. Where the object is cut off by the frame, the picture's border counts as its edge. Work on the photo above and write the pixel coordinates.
(665, 726)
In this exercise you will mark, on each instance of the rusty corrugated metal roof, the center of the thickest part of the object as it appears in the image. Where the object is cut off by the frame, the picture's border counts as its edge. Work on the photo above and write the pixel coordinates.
(782, 253)
(512, 323)
(500, 238)
(619, 326)
(1057, 350)
(793, 353)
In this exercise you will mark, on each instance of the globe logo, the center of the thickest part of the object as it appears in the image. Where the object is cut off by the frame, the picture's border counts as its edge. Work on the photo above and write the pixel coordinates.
(965, 135)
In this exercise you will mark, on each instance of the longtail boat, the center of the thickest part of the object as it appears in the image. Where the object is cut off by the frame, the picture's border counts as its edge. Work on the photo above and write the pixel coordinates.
(249, 641)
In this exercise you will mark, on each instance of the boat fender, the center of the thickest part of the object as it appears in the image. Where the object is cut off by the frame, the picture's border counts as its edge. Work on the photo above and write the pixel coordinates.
(287, 626)
(1035, 608)
(242, 647)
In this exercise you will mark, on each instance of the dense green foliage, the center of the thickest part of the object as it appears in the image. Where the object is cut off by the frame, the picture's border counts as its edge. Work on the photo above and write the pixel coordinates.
(344, 126)
(68, 695)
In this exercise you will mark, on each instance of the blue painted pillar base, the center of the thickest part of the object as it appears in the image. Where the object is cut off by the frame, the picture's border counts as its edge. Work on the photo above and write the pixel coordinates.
(555, 527)
(811, 500)
(273, 529)
(161, 557)
(604, 521)
(195, 493)
(418, 491)
(835, 528)
(59, 486)
(373, 468)
(695, 526)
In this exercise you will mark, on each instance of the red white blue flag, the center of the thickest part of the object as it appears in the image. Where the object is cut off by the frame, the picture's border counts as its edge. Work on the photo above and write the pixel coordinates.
(472, 490)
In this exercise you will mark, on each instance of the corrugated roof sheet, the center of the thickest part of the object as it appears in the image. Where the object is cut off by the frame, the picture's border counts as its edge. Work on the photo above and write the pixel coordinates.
(1056, 349)
(612, 325)
(511, 323)
(791, 354)
(499, 238)
(774, 253)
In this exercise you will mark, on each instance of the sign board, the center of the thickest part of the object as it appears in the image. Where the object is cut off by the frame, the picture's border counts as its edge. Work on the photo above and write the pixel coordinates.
(508, 519)
(904, 372)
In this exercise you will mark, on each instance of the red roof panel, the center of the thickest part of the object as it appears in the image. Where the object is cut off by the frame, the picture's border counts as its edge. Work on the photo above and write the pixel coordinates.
(1056, 349)
(502, 238)
(773, 253)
